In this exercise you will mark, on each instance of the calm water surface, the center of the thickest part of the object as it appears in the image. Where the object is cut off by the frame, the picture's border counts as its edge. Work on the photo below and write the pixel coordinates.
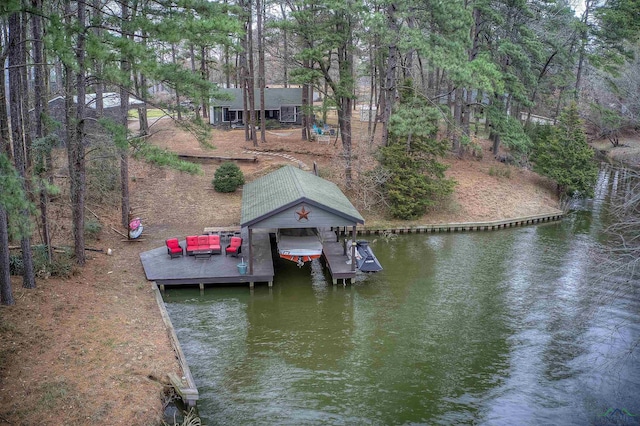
(525, 326)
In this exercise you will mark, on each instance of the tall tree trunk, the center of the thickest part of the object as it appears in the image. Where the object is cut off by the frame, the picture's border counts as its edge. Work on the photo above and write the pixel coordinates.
(175, 62)
(227, 68)
(457, 121)
(391, 75)
(251, 80)
(17, 65)
(204, 72)
(192, 53)
(431, 81)
(125, 68)
(77, 153)
(407, 70)
(6, 292)
(97, 65)
(27, 124)
(4, 114)
(466, 112)
(243, 74)
(306, 107)
(583, 46)
(40, 115)
(141, 92)
(372, 89)
(450, 121)
(345, 70)
(261, 70)
(285, 48)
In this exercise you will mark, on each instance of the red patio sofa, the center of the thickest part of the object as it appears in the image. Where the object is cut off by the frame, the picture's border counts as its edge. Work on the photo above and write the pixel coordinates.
(201, 243)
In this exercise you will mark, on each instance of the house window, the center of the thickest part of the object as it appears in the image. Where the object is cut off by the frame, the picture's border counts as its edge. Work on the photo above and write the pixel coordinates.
(217, 115)
(231, 115)
(288, 114)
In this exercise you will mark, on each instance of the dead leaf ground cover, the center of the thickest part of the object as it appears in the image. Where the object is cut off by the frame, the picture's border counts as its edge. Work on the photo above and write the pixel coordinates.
(92, 349)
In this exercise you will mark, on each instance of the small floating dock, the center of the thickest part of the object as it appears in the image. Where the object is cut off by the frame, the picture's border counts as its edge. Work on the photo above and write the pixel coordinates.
(214, 269)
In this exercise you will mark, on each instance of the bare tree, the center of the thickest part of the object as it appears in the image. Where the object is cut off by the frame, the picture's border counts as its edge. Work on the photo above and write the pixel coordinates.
(625, 209)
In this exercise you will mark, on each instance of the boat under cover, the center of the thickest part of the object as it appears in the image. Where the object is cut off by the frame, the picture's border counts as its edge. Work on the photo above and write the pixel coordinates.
(366, 261)
(299, 245)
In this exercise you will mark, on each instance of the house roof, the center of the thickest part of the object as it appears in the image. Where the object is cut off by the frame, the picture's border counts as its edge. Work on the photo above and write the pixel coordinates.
(109, 100)
(273, 98)
(288, 187)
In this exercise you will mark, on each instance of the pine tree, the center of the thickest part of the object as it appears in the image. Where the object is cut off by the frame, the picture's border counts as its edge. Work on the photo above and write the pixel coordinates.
(416, 177)
(563, 155)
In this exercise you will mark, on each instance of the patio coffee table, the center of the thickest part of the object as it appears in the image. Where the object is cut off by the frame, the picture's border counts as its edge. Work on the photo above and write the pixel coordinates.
(202, 254)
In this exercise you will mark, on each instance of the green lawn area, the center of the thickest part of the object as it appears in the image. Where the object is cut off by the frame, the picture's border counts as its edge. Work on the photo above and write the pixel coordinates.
(151, 113)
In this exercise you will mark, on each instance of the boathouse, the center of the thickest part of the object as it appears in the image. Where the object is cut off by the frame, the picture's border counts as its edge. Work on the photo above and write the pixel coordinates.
(293, 198)
(285, 198)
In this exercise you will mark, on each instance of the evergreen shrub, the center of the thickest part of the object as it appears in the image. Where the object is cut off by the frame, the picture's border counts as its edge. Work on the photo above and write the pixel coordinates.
(61, 265)
(92, 229)
(228, 177)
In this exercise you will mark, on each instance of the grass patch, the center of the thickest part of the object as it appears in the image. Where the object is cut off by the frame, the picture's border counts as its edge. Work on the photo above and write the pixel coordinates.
(151, 113)
(53, 393)
(162, 157)
(500, 172)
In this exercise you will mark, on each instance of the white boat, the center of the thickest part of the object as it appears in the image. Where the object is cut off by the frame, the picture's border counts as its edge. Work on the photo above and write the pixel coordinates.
(299, 245)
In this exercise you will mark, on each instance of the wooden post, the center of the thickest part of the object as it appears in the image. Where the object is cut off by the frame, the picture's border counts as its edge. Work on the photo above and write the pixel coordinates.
(250, 251)
(201, 289)
(353, 249)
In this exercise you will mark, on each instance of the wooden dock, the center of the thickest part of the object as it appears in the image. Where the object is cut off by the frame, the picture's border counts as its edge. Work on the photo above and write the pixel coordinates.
(335, 259)
(216, 269)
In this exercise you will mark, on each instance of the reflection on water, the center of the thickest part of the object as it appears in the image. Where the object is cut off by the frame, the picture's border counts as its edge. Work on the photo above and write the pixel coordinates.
(520, 326)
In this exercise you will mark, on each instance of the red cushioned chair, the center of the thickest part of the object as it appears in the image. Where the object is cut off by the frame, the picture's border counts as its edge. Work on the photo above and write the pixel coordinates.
(174, 248)
(234, 247)
(214, 244)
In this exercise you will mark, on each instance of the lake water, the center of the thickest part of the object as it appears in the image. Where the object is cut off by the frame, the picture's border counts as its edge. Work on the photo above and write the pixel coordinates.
(523, 326)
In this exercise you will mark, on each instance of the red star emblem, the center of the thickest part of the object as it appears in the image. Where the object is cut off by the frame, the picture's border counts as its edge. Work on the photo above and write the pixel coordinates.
(303, 214)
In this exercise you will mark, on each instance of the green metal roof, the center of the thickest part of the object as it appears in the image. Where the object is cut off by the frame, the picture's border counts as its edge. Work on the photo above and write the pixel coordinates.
(288, 186)
(273, 98)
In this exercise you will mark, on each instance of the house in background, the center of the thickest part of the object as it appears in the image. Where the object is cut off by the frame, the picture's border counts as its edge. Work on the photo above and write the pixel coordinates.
(110, 109)
(283, 105)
